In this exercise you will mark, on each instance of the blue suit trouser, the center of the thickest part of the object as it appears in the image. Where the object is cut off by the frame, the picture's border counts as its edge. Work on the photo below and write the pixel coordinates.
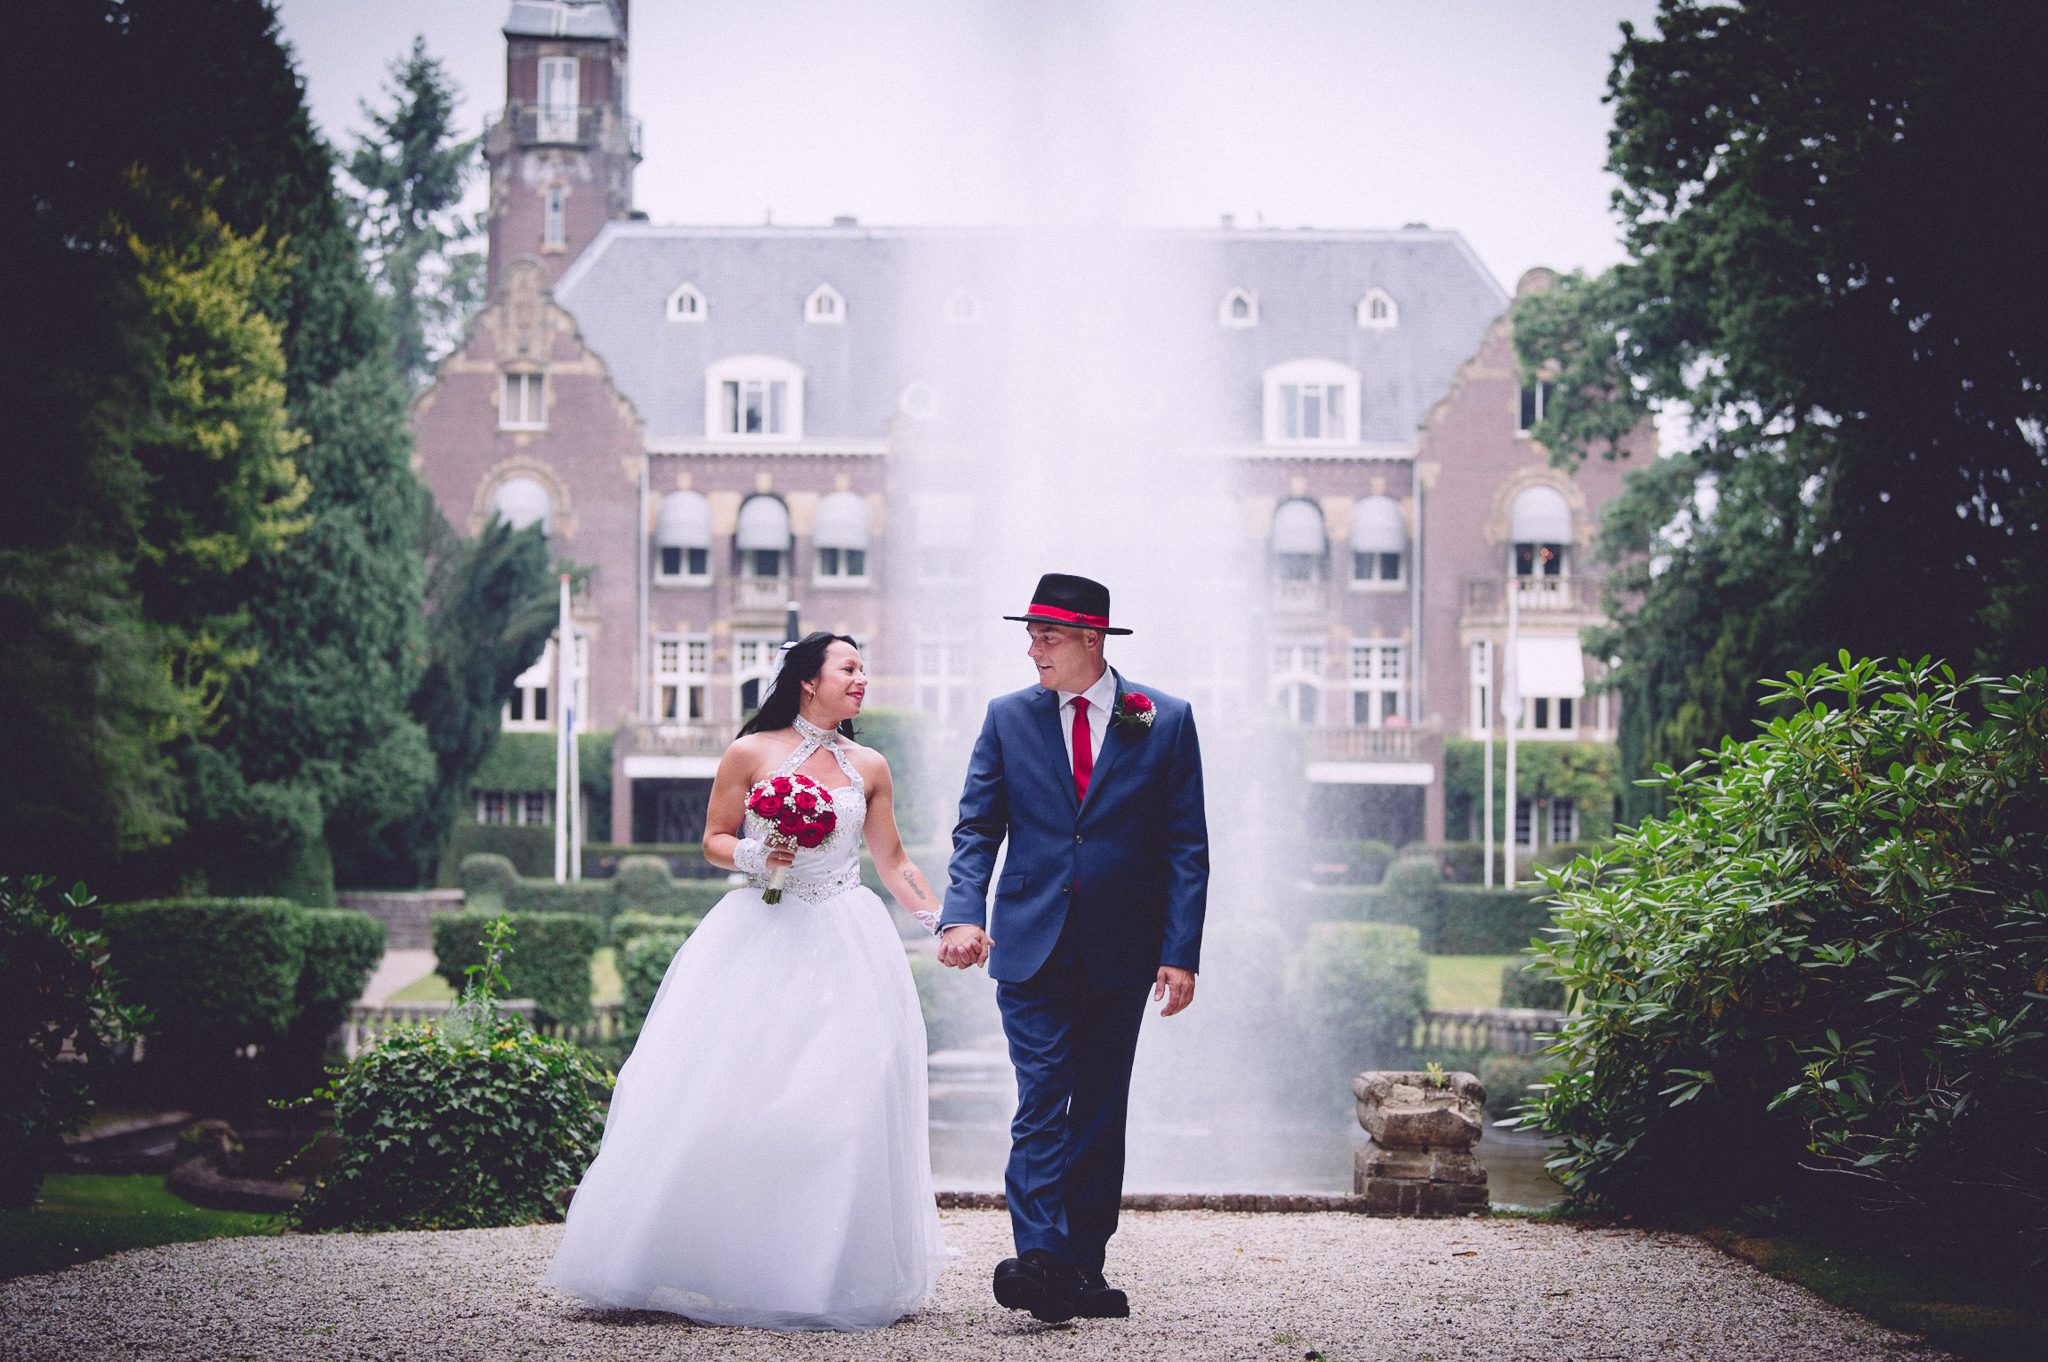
(1072, 1045)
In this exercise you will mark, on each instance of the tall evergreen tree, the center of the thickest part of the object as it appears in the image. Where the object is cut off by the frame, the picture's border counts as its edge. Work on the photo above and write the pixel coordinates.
(413, 172)
(1832, 263)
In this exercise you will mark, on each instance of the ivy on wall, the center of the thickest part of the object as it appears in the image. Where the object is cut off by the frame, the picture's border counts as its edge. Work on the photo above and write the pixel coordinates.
(1588, 773)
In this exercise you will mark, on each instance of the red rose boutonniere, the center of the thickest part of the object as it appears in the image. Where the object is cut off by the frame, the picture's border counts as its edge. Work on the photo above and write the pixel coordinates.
(1134, 714)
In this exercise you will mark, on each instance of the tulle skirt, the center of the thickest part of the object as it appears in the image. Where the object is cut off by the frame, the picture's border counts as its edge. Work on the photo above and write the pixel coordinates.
(766, 1161)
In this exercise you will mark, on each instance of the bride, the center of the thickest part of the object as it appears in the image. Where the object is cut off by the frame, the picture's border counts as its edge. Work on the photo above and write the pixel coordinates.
(766, 1160)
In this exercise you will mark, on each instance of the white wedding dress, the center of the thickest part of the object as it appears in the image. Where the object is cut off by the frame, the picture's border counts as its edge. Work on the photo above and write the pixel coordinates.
(766, 1160)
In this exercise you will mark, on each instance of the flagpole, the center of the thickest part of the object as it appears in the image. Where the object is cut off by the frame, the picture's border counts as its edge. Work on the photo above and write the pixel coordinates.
(565, 643)
(1511, 712)
(1486, 694)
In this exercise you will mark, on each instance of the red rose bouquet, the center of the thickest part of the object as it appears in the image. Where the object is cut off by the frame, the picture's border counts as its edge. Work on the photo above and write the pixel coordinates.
(800, 812)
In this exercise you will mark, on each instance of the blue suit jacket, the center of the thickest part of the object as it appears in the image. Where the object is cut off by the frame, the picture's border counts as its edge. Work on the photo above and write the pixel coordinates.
(1132, 863)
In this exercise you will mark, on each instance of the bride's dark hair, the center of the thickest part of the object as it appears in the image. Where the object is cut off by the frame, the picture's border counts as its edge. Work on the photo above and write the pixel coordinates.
(801, 662)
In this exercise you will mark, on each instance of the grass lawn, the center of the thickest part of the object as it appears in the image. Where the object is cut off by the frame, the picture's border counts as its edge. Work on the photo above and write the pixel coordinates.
(81, 1216)
(1466, 980)
(604, 984)
(1983, 1319)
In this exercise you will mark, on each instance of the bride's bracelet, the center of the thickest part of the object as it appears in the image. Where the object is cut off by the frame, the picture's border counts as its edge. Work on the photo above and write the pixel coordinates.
(750, 854)
(929, 918)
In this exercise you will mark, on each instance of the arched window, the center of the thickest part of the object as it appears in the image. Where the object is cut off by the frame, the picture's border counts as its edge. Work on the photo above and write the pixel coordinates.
(1540, 528)
(682, 539)
(754, 397)
(962, 307)
(1377, 311)
(825, 306)
(1311, 401)
(1379, 543)
(1240, 307)
(688, 304)
(520, 502)
(762, 536)
(839, 534)
(1299, 541)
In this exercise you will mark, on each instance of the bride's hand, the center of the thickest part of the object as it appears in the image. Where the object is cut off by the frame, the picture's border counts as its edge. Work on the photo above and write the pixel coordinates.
(963, 945)
(783, 856)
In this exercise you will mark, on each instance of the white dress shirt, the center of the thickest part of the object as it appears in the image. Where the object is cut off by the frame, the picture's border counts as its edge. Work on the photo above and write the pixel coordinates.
(1101, 698)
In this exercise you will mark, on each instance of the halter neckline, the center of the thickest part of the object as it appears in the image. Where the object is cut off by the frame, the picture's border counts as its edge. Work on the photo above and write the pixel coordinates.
(806, 729)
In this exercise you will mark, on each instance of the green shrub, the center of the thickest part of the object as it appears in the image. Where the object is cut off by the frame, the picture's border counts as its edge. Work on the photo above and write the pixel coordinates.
(342, 949)
(1510, 1080)
(1340, 861)
(220, 969)
(1830, 953)
(629, 925)
(477, 1123)
(1475, 921)
(1355, 991)
(490, 885)
(57, 983)
(528, 848)
(1530, 985)
(685, 859)
(549, 961)
(643, 962)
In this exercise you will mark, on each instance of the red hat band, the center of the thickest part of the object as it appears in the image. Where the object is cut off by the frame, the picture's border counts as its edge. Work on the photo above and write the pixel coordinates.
(1053, 614)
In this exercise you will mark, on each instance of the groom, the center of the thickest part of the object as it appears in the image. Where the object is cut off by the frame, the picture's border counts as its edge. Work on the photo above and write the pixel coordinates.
(1097, 784)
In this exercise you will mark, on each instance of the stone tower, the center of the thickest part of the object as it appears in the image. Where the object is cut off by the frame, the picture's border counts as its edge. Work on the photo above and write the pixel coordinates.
(563, 150)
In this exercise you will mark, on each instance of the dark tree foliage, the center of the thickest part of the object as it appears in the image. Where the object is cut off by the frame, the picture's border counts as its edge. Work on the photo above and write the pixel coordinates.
(490, 609)
(413, 172)
(1831, 230)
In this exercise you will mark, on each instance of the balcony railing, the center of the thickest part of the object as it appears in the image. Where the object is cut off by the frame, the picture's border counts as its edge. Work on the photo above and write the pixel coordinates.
(586, 125)
(1300, 597)
(684, 737)
(1488, 596)
(1371, 744)
(760, 597)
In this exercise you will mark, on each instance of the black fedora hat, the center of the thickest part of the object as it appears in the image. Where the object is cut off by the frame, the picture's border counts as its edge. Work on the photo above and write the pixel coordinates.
(1073, 601)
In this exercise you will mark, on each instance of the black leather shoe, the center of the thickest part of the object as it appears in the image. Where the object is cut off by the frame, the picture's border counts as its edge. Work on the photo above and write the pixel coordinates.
(1100, 1300)
(1039, 1281)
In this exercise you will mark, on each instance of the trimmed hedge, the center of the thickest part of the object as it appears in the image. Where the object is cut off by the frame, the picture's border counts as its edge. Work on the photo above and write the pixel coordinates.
(1453, 919)
(548, 961)
(632, 925)
(342, 950)
(643, 961)
(644, 884)
(1530, 985)
(1356, 989)
(1475, 921)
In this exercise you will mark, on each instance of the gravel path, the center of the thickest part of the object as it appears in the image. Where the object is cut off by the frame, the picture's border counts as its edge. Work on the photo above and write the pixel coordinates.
(1203, 1285)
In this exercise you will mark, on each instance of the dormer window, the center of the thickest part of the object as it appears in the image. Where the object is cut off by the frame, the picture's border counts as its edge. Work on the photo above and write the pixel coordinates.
(1311, 401)
(1240, 307)
(522, 402)
(963, 308)
(1378, 312)
(754, 397)
(825, 306)
(687, 304)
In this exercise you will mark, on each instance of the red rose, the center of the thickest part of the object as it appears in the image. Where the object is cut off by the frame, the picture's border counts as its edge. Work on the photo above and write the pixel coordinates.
(810, 837)
(768, 806)
(790, 825)
(828, 820)
(1136, 703)
(804, 800)
(781, 785)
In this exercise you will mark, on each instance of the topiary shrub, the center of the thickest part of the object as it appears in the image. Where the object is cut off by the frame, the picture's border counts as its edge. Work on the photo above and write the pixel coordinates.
(628, 925)
(1829, 956)
(643, 963)
(486, 879)
(1355, 991)
(476, 1123)
(57, 984)
(549, 961)
(642, 879)
(1470, 920)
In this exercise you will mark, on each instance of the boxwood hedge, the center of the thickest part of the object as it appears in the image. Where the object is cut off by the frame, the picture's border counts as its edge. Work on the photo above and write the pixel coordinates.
(548, 961)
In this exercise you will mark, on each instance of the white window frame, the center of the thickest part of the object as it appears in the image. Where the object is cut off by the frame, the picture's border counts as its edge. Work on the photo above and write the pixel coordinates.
(1377, 311)
(825, 306)
(1293, 667)
(1553, 710)
(519, 393)
(686, 576)
(743, 370)
(1379, 678)
(1294, 380)
(559, 83)
(682, 678)
(1227, 314)
(753, 659)
(1543, 389)
(1564, 820)
(688, 304)
(554, 232)
(941, 668)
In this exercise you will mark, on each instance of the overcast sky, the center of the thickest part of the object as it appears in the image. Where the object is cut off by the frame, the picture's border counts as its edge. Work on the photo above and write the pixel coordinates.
(1484, 117)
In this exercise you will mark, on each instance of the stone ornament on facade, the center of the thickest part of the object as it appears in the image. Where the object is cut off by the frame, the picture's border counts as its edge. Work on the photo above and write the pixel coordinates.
(1419, 1161)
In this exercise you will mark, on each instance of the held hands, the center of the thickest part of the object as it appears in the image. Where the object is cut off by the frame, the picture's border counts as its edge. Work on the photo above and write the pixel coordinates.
(1175, 985)
(964, 945)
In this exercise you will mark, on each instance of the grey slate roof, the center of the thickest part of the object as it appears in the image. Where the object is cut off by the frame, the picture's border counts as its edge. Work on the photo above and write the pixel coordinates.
(896, 282)
(563, 19)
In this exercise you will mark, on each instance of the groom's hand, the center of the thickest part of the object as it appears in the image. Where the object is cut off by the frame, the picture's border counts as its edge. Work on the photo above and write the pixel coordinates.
(1177, 986)
(963, 945)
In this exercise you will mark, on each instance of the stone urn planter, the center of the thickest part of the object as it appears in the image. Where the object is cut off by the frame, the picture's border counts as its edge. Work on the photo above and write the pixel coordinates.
(1419, 1160)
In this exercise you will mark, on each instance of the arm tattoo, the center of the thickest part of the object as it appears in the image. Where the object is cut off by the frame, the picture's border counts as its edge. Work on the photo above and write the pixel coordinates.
(916, 886)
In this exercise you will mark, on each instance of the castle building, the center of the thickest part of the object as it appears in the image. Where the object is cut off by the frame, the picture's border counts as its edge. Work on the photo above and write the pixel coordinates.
(724, 422)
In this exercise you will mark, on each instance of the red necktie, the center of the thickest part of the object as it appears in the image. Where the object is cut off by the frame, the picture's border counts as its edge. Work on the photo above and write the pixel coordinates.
(1084, 748)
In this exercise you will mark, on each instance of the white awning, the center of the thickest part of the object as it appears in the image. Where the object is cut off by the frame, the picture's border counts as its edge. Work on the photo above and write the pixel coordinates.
(841, 522)
(1377, 526)
(763, 524)
(1540, 515)
(945, 520)
(657, 766)
(684, 522)
(1549, 664)
(520, 502)
(1298, 528)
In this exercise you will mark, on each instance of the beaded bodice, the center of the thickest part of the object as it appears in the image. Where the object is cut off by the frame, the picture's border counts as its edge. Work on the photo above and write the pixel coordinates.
(833, 866)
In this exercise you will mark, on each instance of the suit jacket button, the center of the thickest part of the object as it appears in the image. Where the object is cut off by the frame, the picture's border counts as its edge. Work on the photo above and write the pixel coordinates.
(1077, 837)
(1066, 889)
